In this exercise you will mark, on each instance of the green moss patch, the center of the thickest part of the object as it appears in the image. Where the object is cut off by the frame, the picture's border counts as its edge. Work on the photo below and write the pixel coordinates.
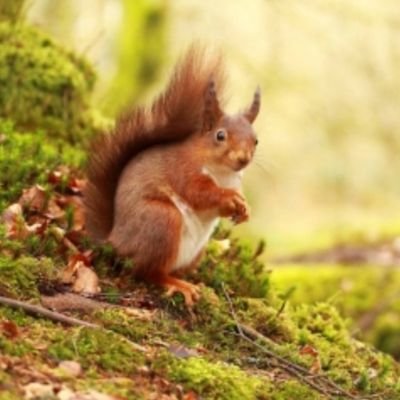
(366, 295)
(216, 380)
(27, 158)
(20, 277)
(43, 85)
(96, 348)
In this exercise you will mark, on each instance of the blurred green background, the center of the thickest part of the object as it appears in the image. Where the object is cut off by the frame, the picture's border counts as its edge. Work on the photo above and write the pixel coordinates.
(328, 163)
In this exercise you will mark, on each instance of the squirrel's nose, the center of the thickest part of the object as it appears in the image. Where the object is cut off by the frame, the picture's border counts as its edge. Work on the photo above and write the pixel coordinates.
(243, 160)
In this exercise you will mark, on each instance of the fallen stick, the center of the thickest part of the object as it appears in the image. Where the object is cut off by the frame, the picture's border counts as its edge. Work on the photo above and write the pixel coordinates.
(62, 318)
(44, 312)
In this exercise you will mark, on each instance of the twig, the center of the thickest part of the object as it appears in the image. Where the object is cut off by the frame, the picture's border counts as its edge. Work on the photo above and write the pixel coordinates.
(249, 334)
(44, 312)
(58, 317)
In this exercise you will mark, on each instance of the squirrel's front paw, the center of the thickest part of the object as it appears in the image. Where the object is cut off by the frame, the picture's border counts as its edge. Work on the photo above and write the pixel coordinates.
(236, 208)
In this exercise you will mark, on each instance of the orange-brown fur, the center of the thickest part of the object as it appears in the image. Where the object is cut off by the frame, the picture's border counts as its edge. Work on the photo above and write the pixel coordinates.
(155, 175)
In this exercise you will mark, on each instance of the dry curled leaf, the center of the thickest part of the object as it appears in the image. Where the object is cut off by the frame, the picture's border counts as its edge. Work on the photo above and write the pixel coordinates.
(68, 274)
(75, 203)
(79, 274)
(313, 352)
(54, 211)
(86, 280)
(14, 222)
(309, 350)
(33, 198)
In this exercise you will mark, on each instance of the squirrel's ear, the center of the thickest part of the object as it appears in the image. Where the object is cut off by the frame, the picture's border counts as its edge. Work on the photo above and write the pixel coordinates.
(252, 112)
(212, 112)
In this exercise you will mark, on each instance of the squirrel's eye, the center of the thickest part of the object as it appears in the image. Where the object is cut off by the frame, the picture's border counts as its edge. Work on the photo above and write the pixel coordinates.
(220, 135)
(256, 142)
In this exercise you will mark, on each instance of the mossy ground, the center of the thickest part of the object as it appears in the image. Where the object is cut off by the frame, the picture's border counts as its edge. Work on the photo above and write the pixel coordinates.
(365, 294)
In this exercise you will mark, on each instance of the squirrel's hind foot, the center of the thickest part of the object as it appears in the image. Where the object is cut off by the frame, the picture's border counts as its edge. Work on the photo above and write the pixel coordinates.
(190, 292)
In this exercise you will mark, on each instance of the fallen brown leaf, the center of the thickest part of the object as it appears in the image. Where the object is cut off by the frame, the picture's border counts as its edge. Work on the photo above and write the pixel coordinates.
(86, 280)
(33, 198)
(313, 352)
(54, 211)
(76, 204)
(14, 222)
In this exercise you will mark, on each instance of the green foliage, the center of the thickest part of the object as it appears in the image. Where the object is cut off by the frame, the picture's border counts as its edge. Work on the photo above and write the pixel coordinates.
(96, 348)
(355, 293)
(26, 159)
(215, 380)
(19, 278)
(43, 85)
(322, 320)
(385, 332)
(238, 268)
(266, 319)
(291, 389)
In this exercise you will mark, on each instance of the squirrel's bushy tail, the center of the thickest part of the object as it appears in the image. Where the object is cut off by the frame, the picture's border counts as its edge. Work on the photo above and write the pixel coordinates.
(175, 114)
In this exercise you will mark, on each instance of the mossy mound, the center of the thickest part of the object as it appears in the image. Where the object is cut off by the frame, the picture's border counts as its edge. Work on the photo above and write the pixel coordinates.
(43, 85)
(365, 294)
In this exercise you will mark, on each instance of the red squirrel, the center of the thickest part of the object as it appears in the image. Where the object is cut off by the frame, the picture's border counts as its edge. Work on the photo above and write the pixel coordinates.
(158, 184)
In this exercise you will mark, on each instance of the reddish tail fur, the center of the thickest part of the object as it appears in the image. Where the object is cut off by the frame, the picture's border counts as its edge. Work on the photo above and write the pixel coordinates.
(175, 115)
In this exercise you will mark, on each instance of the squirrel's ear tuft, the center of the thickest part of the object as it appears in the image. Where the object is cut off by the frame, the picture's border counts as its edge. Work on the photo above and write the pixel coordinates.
(212, 111)
(252, 112)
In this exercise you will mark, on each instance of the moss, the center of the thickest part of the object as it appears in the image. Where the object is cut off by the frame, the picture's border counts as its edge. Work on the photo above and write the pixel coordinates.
(26, 159)
(292, 389)
(238, 268)
(119, 321)
(266, 319)
(354, 291)
(96, 348)
(386, 332)
(216, 380)
(323, 320)
(123, 388)
(43, 85)
(19, 277)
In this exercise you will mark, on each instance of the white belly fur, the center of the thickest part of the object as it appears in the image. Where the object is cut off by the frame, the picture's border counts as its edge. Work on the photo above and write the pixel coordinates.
(198, 227)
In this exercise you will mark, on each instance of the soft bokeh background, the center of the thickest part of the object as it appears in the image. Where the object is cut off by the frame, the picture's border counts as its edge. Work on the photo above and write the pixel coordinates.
(328, 163)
